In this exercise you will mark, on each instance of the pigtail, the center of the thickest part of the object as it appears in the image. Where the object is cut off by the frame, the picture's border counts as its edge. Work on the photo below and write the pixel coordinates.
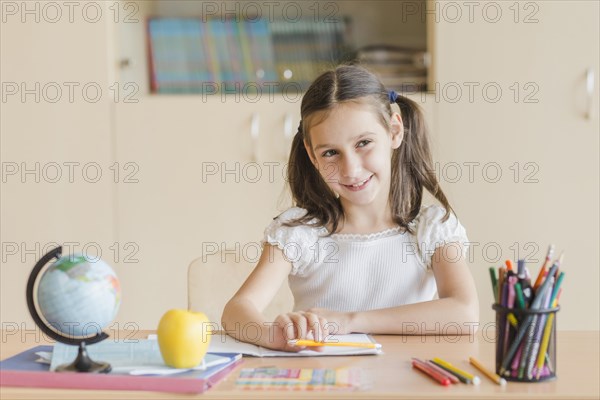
(412, 167)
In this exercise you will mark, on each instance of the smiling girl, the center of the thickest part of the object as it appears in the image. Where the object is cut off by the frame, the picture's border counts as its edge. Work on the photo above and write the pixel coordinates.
(360, 251)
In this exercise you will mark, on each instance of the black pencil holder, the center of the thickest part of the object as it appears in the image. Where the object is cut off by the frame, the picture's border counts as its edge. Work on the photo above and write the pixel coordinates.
(521, 336)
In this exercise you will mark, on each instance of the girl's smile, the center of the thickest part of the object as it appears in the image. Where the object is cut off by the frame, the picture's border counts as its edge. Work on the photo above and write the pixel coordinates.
(358, 186)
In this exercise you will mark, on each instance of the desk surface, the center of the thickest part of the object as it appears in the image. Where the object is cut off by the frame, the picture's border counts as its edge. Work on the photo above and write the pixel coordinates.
(578, 370)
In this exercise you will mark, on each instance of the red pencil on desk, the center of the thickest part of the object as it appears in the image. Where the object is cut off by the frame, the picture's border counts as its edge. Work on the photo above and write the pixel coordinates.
(433, 374)
(453, 379)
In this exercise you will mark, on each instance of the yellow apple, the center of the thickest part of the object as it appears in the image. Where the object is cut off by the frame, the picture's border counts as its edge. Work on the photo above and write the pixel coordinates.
(183, 337)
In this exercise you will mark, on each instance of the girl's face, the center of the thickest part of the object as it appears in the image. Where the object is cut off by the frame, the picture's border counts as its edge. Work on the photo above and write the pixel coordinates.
(352, 151)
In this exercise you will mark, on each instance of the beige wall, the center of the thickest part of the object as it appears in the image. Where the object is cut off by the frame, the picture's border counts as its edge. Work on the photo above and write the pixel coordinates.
(164, 216)
(538, 138)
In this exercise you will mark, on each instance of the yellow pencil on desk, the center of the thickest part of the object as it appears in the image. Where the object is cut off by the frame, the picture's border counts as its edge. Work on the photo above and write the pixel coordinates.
(312, 343)
(464, 376)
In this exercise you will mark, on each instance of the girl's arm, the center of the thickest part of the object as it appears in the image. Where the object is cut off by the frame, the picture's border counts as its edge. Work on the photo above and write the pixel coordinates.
(243, 314)
(455, 312)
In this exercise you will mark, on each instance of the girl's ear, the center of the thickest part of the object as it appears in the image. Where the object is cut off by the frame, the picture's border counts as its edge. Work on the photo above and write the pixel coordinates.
(310, 153)
(397, 130)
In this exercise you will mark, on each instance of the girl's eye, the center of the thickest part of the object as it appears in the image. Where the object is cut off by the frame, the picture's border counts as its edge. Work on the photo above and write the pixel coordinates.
(363, 143)
(328, 153)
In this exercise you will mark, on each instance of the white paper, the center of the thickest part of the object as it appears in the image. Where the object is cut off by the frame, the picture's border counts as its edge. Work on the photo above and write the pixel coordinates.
(221, 343)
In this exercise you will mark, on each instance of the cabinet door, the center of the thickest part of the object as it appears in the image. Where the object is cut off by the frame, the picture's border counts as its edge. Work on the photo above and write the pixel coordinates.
(519, 155)
(57, 185)
(204, 186)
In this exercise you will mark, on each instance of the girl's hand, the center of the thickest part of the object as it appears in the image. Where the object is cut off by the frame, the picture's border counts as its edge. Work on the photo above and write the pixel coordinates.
(299, 325)
(338, 323)
(314, 324)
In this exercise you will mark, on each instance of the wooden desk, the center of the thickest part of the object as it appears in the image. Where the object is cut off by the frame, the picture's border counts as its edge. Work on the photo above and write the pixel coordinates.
(578, 371)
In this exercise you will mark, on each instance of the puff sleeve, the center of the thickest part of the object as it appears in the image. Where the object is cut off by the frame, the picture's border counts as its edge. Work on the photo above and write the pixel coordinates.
(432, 233)
(296, 242)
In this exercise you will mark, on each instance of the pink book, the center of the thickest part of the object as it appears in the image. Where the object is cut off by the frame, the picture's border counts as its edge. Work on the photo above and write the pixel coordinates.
(22, 371)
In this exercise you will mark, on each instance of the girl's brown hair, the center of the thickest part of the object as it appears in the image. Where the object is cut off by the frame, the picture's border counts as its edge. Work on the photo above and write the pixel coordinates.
(412, 164)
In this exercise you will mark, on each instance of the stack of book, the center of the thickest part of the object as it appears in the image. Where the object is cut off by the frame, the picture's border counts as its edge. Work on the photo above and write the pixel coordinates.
(305, 48)
(192, 55)
(136, 364)
(189, 55)
(399, 69)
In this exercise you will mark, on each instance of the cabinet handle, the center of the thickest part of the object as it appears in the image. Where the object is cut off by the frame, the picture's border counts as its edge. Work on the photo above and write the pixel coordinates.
(124, 63)
(288, 133)
(254, 130)
(589, 84)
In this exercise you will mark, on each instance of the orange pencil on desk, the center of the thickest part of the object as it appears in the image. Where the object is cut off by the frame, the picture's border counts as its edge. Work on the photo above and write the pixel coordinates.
(494, 377)
(312, 343)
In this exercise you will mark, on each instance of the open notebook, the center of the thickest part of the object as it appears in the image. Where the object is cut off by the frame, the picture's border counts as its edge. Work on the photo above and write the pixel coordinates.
(221, 343)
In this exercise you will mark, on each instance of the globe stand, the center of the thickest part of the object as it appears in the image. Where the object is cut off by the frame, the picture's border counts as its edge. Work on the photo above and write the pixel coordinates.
(83, 363)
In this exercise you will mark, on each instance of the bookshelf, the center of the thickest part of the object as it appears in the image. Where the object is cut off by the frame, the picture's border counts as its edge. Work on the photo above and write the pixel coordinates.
(373, 23)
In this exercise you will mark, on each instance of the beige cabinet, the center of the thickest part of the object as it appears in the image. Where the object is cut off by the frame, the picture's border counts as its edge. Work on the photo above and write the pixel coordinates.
(518, 152)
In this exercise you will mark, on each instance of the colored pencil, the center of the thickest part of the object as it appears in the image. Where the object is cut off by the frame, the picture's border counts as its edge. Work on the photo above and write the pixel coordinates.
(442, 371)
(501, 276)
(430, 372)
(494, 377)
(510, 302)
(521, 268)
(519, 293)
(545, 341)
(509, 265)
(512, 320)
(460, 374)
(514, 367)
(539, 329)
(494, 283)
(542, 272)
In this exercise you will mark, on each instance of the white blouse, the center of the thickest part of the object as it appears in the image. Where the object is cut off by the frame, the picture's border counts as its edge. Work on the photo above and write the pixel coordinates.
(359, 272)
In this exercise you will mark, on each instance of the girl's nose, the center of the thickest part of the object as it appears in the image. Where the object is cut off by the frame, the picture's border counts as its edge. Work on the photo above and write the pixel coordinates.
(351, 167)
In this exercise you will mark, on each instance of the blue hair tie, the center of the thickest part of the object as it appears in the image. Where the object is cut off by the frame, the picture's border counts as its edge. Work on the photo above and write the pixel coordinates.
(393, 96)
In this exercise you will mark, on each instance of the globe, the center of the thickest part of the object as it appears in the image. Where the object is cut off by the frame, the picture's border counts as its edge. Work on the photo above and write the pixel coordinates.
(77, 298)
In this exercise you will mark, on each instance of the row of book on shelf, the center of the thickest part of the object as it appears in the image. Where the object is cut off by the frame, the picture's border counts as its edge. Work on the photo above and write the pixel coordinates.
(196, 55)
